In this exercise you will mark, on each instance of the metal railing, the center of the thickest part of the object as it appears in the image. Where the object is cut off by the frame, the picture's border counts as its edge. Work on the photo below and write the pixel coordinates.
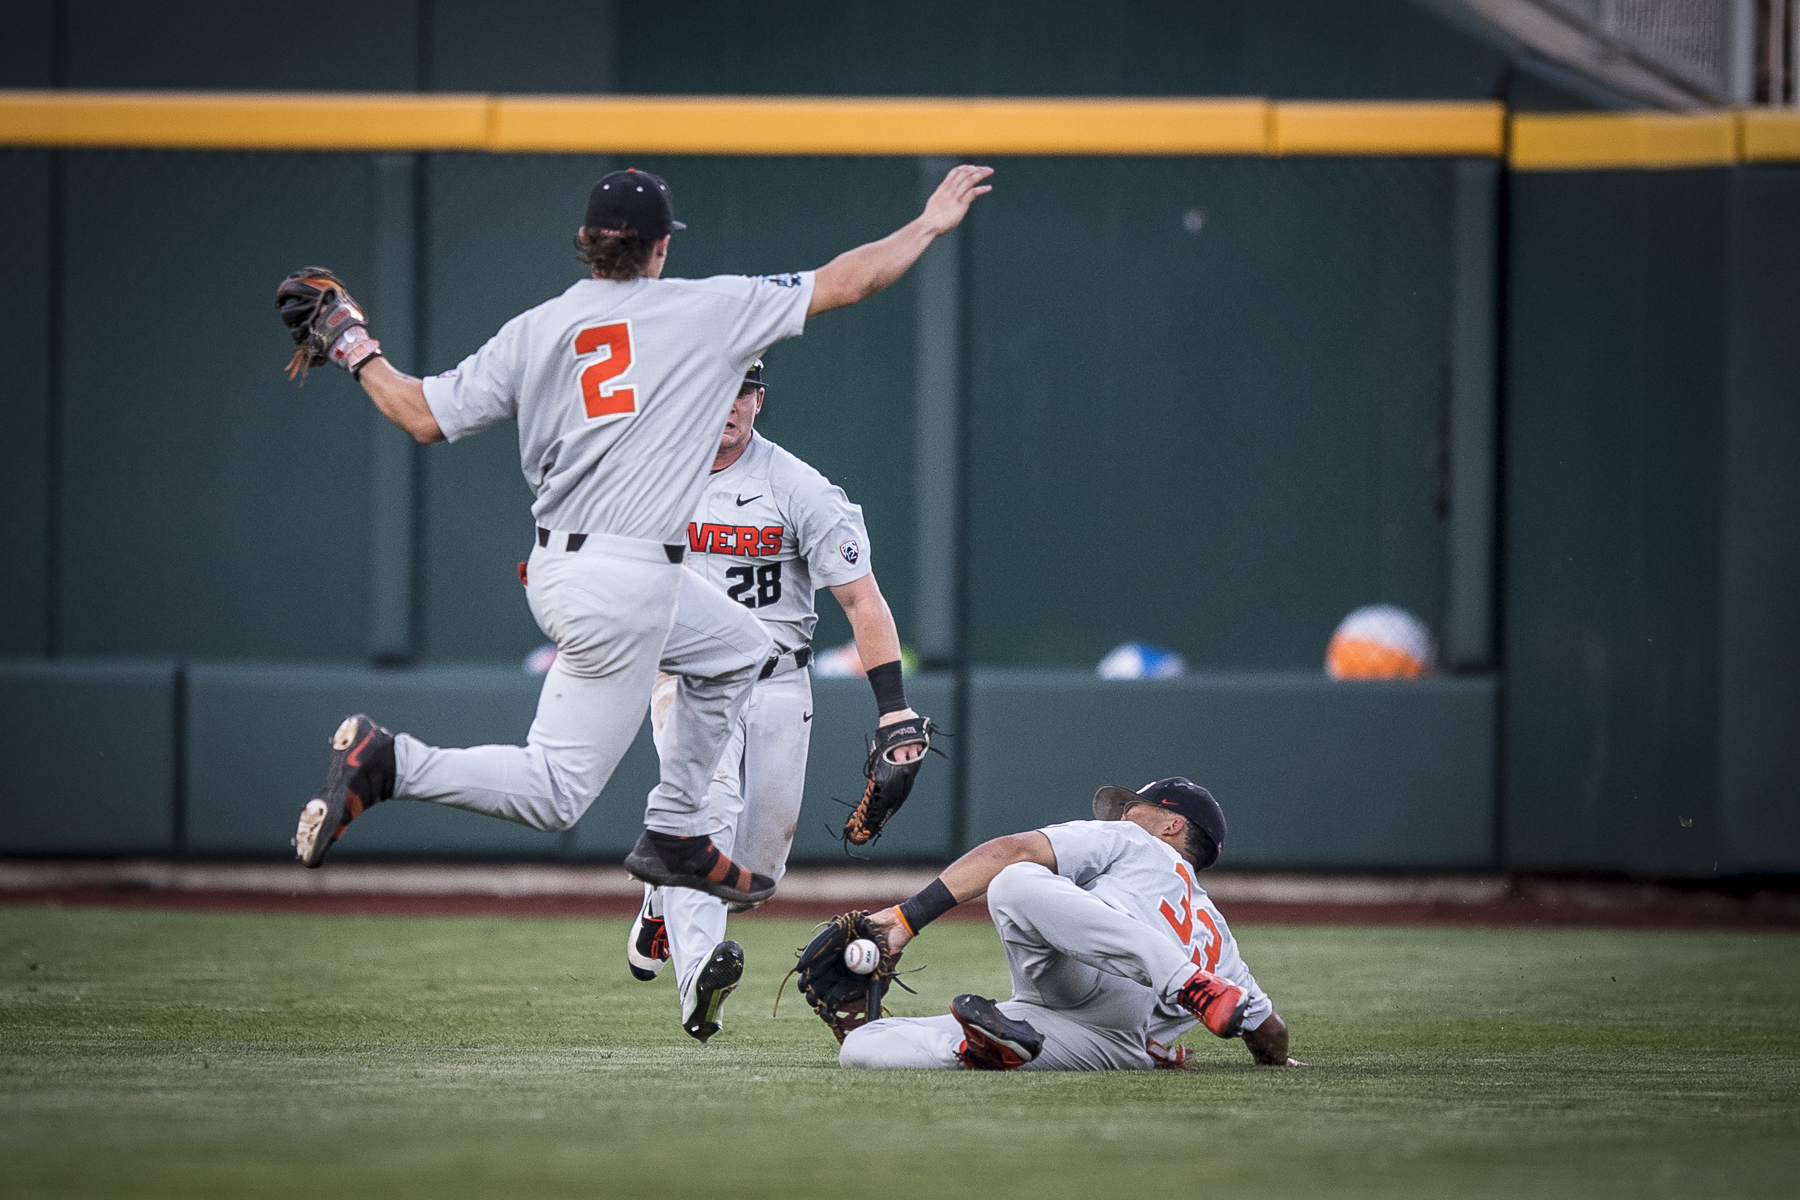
(1669, 53)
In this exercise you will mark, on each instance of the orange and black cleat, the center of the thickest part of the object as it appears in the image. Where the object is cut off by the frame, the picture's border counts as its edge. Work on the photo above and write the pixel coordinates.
(993, 1041)
(1216, 1002)
(670, 860)
(361, 775)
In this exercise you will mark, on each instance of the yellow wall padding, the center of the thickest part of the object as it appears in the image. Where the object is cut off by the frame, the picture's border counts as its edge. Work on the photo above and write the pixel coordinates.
(743, 125)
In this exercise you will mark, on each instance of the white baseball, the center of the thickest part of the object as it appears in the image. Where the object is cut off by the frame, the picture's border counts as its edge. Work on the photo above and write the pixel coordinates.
(862, 955)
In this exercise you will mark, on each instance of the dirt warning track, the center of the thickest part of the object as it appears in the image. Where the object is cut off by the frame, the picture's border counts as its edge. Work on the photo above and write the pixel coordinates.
(589, 891)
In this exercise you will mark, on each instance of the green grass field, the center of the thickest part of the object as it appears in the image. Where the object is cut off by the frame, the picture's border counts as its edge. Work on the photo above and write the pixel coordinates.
(163, 1054)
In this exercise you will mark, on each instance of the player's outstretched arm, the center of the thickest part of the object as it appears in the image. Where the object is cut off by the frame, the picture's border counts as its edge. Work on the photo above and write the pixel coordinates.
(1268, 1043)
(858, 274)
(877, 641)
(401, 399)
(965, 879)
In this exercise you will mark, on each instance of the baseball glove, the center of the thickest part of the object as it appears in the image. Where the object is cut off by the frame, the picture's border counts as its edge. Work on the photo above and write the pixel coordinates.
(325, 323)
(843, 999)
(890, 782)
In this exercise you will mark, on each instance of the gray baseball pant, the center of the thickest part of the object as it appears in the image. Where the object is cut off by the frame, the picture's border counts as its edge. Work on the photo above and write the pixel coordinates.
(1086, 975)
(753, 803)
(617, 610)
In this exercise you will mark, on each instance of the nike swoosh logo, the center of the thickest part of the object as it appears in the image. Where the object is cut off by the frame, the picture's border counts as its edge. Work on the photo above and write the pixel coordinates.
(806, 718)
(742, 501)
(354, 758)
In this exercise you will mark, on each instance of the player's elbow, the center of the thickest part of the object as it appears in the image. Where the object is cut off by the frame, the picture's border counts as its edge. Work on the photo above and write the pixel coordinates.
(424, 428)
(840, 283)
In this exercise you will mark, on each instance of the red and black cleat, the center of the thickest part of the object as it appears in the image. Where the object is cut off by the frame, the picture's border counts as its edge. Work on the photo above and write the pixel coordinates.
(647, 952)
(1216, 1002)
(993, 1041)
(361, 776)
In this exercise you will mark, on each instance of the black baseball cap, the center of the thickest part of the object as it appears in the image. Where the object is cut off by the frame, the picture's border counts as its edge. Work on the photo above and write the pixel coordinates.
(1176, 794)
(753, 376)
(634, 200)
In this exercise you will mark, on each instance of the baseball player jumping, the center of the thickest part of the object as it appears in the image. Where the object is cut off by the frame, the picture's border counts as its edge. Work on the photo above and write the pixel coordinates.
(768, 531)
(1115, 950)
(620, 387)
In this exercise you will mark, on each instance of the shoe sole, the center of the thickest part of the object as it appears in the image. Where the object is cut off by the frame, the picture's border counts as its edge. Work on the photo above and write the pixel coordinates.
(716, 981)
(644, 968)
(1235, 1025)
(980, 1016)
(323, 814)
(650, 869)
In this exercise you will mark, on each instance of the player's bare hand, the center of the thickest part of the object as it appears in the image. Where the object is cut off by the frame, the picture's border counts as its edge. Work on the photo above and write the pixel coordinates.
(888, 921)
(950, 203)
(907, 753)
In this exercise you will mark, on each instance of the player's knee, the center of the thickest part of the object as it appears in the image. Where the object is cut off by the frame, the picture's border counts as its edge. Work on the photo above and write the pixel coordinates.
(563, 817)
(1012, 885)
(567, 803)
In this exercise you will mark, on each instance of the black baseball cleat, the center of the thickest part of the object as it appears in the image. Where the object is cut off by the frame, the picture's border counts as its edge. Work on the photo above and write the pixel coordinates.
(647, 950)
(666, 860)
(361, 775)
(724, 967)
(993, 1041)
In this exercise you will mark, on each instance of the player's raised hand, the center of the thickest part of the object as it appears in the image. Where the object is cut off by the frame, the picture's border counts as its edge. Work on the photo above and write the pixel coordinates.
(855, 275)
(950, 203)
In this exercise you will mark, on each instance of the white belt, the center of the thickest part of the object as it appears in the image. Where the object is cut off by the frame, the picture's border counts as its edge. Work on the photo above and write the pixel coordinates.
(611, 543)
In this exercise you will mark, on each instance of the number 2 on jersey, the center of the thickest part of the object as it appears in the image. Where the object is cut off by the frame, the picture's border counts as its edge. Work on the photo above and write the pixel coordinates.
(599, 395)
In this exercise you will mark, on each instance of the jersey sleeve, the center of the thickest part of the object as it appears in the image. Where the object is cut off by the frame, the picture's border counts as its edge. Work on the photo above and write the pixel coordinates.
(829, 532)
(483, 389)
(1084, 849)
(774, 309)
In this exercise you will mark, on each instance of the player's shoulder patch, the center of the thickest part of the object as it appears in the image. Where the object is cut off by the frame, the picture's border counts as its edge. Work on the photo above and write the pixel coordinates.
(851, 549)
(789, 279)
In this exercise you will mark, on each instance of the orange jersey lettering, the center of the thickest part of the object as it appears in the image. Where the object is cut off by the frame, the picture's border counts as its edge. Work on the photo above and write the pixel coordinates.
(734, 539)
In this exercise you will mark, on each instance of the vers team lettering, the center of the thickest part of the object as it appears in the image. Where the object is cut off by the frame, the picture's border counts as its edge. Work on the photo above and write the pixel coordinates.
(734, 539)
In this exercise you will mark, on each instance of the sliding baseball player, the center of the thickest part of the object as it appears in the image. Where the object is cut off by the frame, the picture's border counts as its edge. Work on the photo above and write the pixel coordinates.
(1115, 949)
(769, 531)
(620, 387)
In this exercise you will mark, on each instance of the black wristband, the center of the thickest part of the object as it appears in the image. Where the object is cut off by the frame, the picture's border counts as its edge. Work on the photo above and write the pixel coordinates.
(932, 902)
(890, 690)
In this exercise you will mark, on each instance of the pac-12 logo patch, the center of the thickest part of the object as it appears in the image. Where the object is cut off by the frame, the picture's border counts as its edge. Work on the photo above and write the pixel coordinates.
(791, 279)
(851, 551)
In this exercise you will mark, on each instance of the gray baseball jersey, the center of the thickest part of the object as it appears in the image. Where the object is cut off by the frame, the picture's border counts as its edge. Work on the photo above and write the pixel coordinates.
(770, 530)
(1135, 873)
(620, 391)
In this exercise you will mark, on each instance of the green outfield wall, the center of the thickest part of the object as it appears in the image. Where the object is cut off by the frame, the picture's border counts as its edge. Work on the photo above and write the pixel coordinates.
(1652, 521)
(1212, 402)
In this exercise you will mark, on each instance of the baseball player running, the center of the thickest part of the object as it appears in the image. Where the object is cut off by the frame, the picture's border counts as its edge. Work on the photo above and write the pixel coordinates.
(619, 386)
(768, 531)
(1115, 950)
